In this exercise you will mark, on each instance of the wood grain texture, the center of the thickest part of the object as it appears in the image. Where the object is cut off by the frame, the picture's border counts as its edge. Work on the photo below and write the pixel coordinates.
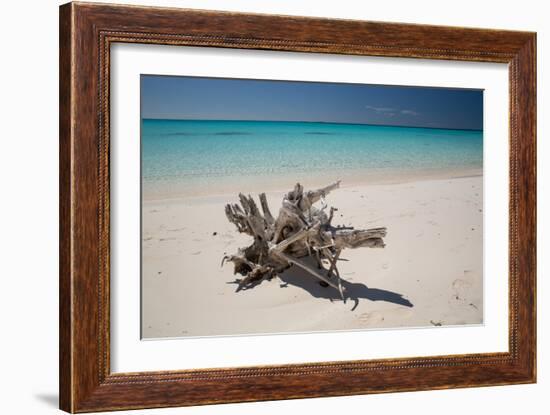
(65, 246)
(86, 33)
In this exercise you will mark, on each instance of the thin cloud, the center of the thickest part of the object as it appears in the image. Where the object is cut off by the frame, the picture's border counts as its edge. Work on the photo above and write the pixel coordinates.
(388, 112)
(391, 112)
(380, 109)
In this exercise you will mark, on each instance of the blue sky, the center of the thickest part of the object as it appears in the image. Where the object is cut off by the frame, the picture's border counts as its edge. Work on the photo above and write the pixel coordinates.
(181, 97)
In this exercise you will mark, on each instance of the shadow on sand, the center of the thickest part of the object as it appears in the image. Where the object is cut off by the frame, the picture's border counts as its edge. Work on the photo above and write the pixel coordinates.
(352, 291)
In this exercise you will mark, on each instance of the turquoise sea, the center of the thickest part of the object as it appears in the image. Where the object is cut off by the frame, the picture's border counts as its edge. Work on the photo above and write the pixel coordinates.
(180, 156)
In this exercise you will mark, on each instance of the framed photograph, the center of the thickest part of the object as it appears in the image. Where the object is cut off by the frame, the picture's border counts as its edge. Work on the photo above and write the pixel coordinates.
(258, 207)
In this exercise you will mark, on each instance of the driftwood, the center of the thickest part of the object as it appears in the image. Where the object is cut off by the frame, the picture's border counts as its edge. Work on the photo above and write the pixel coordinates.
(301, 230)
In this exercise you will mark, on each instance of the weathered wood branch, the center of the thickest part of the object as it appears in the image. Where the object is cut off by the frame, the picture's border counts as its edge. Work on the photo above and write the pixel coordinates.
(300, 230)
(265, 208)
(308, 268)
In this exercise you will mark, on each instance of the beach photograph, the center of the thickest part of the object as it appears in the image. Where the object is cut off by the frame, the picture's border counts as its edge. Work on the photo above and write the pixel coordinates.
(278, 207)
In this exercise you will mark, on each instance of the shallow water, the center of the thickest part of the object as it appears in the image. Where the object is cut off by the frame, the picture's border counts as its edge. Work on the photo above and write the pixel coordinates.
(183, 156)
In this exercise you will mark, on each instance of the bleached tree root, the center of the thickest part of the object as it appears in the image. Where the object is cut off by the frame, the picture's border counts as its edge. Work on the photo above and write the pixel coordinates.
(300, 230)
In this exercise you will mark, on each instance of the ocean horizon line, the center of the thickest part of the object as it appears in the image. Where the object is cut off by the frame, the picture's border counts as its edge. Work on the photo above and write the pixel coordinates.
(312, 122)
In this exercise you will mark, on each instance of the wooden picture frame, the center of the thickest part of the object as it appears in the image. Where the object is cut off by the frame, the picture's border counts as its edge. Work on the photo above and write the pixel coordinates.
(86, 33)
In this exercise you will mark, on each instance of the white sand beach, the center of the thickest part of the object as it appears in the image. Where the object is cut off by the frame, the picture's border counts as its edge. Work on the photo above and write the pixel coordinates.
(430, 273)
